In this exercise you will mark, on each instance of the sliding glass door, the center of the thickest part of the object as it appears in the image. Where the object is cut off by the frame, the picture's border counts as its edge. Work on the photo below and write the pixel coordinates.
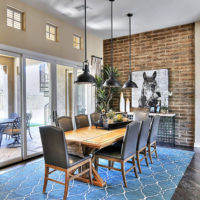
(38, 102)
(10, 109)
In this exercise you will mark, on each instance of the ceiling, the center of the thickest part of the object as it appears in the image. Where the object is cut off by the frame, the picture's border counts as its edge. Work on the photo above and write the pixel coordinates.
(148, 14)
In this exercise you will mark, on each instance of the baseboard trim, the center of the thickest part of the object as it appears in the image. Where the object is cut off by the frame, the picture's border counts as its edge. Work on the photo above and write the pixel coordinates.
(196, 144)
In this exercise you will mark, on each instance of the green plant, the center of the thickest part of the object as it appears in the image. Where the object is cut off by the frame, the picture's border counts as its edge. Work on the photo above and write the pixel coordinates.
(110, 114)
(104, 95)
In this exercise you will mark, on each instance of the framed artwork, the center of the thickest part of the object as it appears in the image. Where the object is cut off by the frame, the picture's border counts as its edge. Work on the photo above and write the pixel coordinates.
(152, 86)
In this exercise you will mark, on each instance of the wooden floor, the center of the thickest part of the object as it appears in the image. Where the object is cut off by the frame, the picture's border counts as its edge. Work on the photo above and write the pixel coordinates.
(188, 188)
(33, 146)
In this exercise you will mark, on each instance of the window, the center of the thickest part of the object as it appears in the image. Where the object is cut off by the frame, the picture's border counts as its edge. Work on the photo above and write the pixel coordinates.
(51, 32)
(15, 18)
(77, 42)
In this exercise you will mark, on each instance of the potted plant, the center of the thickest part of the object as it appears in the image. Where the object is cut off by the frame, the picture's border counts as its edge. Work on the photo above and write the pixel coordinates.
(110, 116)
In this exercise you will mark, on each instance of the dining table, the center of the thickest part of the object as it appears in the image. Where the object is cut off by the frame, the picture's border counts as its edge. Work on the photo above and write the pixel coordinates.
(92, 139)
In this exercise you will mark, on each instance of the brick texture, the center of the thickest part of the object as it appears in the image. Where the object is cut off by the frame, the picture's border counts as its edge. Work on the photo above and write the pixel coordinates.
(172, 49)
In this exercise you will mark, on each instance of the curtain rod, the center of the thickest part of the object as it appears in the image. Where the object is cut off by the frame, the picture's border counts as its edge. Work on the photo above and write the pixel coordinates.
(96, 57)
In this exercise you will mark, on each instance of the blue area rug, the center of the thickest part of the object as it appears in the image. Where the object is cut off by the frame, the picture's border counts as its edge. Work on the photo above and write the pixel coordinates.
(158, 181)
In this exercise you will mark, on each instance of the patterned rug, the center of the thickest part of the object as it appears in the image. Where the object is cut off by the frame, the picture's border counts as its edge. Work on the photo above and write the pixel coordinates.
(158, 181)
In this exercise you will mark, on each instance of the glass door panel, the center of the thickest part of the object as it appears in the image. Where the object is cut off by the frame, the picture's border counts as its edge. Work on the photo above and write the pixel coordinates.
(65, 84)
(10, 116)
(38, 104)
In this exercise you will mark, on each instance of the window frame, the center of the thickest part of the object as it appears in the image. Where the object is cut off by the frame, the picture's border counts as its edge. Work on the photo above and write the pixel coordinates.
(49, 32)
(75, 43)
(22, 18)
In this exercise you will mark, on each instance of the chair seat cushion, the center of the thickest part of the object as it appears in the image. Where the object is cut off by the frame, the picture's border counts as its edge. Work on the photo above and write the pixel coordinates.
(11, 131)
(73, 160)
(111, 151)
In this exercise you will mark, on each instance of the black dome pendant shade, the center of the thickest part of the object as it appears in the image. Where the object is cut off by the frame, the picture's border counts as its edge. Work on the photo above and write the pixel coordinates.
(85, 77)
(112, 81)
(130, 83)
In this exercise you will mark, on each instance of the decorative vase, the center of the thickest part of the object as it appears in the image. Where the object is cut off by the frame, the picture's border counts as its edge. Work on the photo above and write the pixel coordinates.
(122, 103)
(127, 105)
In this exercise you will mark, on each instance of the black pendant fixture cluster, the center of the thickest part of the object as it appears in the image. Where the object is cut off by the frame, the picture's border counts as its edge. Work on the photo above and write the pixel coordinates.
(112, 81)
(130, 83)
(85, 77)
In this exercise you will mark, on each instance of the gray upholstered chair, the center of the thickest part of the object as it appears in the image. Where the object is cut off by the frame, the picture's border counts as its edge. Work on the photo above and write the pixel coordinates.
(121, 154)
(142, 142)
(94, 117)
(152, 136)
(65, 123)
(141, 115)
(57, 158)
(81, 121)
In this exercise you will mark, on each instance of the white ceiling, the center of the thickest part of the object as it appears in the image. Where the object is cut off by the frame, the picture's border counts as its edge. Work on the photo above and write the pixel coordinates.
(148, 14)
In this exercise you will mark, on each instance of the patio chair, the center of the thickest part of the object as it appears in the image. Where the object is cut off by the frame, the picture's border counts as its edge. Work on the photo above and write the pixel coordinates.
(81, 121)
(152, 136)
(28, 122)
(14, 131)
(94, 117)
(57, 158)
(65, 123)
(142, 142)
(121, 154)
(13, 115)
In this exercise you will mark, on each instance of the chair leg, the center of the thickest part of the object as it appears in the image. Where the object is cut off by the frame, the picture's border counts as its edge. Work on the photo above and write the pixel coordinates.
(123, 174)
(138, 161)
(149, 151)
(155, 150)
(134, 164)
(96, 162)
(90, 172)
(66, 185)
(145, 155)
(30, 133)
(45, 178)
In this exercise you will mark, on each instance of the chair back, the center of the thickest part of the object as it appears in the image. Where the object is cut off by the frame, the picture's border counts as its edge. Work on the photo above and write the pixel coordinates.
(130, 140)
(16, 123)
(94, 117)
(81, 121)
(65, 123)
(140, 115)
(144, 133)
(28, 119)
(154, 129)
(54, 146)
(13, 115)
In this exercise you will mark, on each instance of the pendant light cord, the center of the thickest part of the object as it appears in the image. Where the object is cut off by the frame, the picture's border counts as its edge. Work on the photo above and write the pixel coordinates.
(85, 34)
(130, 43)
(111, 42)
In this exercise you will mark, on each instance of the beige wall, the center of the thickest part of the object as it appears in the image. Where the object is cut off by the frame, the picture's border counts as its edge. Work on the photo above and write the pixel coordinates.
(34, 37)
(197, 84)
(9, 62)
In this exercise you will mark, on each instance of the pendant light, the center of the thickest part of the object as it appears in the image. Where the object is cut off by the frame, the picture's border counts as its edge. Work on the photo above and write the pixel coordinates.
(85, 77)
(130, 83)
(111, 82)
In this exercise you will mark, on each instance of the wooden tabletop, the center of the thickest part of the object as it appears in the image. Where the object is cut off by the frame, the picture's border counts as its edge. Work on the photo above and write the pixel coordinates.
(94, 137)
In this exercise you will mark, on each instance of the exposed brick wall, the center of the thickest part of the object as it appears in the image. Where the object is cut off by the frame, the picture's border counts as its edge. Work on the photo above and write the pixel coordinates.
(172, 49)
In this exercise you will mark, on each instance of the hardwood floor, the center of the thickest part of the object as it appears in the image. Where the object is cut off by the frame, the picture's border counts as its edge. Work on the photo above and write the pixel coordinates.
(188, 188)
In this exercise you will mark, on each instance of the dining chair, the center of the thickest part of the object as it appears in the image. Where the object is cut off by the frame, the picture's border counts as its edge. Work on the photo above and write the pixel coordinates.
(151, 142)
(141, 115)
(142, 142)
(56, 157)
(94, 117)
(121, 154)
(65, 123)
(81, 121)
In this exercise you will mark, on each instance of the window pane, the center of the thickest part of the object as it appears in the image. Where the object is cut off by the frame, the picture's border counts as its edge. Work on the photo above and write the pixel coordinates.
(52, 30)
(47, 36)
(17, 16)
(52, 37)
(9, 13)
(47, 28)
(17, 25)
(10, 22)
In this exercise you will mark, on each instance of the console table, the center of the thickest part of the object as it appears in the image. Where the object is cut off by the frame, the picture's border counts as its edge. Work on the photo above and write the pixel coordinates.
(166, 131)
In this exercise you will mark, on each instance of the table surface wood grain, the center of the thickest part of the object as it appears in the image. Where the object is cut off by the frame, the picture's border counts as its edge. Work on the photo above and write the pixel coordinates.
(95, 137)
